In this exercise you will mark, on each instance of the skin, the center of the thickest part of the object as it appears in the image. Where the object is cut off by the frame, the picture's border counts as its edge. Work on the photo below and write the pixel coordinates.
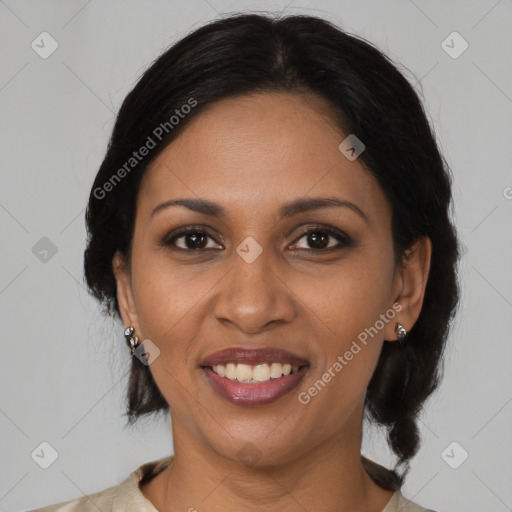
(251, 155)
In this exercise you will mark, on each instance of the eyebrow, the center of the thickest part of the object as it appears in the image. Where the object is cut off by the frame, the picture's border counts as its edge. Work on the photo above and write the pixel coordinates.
(302, 205)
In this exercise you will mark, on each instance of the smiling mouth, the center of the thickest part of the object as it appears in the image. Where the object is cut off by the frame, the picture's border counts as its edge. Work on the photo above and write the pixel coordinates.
(254, 377)
(248, 391)
(254, 374)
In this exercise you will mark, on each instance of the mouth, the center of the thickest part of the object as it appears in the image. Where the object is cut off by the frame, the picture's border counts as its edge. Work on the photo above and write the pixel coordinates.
(254, 376)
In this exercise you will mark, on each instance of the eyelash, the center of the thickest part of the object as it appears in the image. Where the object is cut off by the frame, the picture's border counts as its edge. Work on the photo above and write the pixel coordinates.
(343, 239)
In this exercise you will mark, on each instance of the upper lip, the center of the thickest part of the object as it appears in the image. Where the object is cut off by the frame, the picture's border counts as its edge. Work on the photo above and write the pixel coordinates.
(253, 356)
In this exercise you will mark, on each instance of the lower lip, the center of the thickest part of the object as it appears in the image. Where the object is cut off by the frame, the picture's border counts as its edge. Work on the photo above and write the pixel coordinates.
(240, 393)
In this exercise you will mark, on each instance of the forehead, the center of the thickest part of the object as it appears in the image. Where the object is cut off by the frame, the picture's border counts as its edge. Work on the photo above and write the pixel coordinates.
(255, 152)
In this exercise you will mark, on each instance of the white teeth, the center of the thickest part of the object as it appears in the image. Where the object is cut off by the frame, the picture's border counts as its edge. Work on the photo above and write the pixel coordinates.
(276, 370)
(261, 373)
(243, 372)
(254, 373)
(230, 371)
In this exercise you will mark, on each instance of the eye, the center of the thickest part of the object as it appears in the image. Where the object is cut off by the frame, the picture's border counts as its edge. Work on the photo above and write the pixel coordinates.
(197, 239)
(190, 239)
(323, 238)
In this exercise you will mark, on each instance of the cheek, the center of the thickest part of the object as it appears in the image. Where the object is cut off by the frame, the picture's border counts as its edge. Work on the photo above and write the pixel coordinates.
(350, 298)
(168, 301)
(165, 295)
(342, 318)
(171, 301)
(344, 311)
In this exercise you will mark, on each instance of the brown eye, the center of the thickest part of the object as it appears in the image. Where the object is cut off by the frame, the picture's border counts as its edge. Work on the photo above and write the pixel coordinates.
(323, 238)
(194, 240)
(190, 240)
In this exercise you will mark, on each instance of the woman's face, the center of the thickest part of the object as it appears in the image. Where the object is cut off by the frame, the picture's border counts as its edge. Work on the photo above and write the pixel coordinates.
(312, 283)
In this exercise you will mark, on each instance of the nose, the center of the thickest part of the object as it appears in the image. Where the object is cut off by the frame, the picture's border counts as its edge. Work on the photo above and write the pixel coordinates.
(253, 296)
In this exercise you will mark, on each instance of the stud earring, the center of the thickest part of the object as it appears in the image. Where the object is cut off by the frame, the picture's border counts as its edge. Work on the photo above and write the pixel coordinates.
(131, 340)
(401, 333)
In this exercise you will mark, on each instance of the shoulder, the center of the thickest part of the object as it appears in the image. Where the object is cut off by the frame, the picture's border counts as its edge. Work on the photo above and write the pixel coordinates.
(399, 503)
(102, 500)
(123, 497)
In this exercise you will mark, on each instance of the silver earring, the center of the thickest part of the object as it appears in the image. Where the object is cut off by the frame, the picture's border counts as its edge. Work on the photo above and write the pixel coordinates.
(401, 333)
(131, 340)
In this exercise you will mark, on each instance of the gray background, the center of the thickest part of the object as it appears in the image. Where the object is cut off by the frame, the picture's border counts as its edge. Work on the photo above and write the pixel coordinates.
(63, 370)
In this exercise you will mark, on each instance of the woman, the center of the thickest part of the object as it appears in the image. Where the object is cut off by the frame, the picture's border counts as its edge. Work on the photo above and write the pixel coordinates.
(271, 224)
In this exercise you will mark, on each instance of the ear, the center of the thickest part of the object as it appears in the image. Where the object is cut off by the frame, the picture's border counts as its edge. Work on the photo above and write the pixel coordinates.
(125, 299)
(409, 287)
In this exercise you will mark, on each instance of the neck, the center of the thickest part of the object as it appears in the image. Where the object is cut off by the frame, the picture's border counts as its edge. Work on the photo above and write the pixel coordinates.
(330, 477)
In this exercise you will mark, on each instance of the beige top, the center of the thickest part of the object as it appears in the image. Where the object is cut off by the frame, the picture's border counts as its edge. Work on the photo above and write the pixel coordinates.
(127, 496)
